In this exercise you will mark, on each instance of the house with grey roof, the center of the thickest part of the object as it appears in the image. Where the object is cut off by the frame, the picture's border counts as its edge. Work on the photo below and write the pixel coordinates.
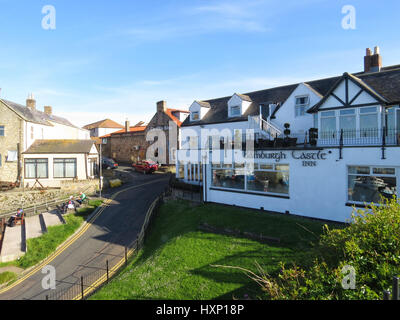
(24, 128)
(316, 148)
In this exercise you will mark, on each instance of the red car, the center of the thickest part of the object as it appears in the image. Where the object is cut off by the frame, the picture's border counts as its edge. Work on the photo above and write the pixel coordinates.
(146, 166)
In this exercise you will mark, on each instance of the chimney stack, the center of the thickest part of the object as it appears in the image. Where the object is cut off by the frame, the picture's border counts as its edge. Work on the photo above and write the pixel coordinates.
(48, 110)
(127, 126)
(373, 62)
(31, 102)
(161, 106)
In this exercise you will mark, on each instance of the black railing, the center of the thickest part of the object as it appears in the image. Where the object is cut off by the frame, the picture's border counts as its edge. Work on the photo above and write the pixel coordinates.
(361, 137)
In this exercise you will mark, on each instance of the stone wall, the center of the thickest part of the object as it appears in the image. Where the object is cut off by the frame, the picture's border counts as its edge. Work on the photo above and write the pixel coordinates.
(13, 135)
(123, 147)
(11, 200)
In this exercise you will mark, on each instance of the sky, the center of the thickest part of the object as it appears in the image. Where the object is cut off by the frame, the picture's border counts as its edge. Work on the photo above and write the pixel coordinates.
(116, 59)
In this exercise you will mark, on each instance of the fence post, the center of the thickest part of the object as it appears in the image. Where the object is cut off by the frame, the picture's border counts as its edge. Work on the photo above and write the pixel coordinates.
(386, 295)
(395, 289)
(82, 287)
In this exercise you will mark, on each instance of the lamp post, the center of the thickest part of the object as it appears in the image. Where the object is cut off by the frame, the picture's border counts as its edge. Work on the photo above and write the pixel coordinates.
(100, 169)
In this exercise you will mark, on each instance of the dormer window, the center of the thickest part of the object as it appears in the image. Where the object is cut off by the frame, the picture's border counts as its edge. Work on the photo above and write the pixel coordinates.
(302, 103)
(195, 116)
(235, 111)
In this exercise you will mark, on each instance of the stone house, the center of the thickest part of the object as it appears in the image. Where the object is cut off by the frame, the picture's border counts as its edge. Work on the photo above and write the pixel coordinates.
(127, 145)
(20, 127)
(152, 141)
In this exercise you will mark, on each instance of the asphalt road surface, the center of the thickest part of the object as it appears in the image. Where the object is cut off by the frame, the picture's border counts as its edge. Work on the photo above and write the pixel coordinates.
(105, 239)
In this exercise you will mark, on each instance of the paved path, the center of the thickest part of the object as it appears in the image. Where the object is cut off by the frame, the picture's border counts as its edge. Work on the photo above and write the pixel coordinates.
(116, 226)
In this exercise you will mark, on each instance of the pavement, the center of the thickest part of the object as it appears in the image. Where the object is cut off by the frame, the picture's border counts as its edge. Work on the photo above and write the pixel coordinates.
(11, 248)
(104, 238)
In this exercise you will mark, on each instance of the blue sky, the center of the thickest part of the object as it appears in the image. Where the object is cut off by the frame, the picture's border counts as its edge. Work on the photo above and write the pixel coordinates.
(116, 59)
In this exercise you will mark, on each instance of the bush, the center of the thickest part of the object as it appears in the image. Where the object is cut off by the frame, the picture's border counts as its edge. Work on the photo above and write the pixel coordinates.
(370, 244)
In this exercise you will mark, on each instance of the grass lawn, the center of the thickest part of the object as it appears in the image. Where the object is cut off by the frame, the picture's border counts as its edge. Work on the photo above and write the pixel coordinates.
(177, 259)
(41, 247)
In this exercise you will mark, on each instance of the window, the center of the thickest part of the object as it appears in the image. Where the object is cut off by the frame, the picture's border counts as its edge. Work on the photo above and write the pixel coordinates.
(12, 156)
(315, 120)
(301, 105)
(368, 122)
(65, 168)
(36, 168)
(195, 115)
(347, 122)
(328, 124)
(2, 131)
(265, 179)
(235, 111)
(369, 184)
(269, 179)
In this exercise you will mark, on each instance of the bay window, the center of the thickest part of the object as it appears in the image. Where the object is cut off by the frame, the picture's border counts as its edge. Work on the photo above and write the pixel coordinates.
(347, 122)
(328, 124)
(369, 122)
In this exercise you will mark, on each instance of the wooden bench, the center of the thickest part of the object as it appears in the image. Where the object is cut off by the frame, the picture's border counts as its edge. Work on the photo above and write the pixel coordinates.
(19, 220)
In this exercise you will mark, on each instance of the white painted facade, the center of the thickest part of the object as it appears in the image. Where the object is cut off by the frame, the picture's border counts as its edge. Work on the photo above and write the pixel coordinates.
(84, 167)
(356, 131)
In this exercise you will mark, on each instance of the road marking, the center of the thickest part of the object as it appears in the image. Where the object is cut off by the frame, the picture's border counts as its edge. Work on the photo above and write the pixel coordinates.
(69, 242)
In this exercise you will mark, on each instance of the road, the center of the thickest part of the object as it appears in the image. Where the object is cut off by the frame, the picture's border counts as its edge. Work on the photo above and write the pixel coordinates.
(104, 239)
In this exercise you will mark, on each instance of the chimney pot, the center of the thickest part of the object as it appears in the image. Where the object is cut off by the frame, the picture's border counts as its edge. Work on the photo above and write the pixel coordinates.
(373, 63)
(31, 102)
(127, 126)
(48, 110)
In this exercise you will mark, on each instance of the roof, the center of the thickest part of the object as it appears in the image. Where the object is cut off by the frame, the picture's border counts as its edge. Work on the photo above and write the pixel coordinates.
(106, 123)
(170, 113)
(131, 129)
(35, 116)
(385, 84)
(60, 146)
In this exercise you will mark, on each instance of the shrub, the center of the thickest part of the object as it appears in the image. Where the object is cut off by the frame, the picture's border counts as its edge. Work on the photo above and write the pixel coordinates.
(370, 244)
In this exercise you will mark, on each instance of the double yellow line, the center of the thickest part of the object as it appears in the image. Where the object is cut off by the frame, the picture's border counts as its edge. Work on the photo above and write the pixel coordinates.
(75, 237)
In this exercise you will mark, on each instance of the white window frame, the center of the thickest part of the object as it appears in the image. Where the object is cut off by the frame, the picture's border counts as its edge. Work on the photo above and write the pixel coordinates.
(237, 107)
(193, 113)
(298, 112)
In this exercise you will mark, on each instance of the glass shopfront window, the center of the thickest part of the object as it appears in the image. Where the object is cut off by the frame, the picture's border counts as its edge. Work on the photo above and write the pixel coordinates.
(273, 179)
(371, 184)
(263, 178)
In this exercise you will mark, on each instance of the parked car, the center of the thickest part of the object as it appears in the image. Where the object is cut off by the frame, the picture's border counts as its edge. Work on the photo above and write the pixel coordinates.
(146, 166)
(108, 163)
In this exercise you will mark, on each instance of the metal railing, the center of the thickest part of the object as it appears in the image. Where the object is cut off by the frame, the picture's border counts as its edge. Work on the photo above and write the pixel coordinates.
(363, 137)
(38, 208)
(88, 282)
(256, 122)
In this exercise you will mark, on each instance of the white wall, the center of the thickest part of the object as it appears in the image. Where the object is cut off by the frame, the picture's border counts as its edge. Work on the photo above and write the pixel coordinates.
(35, 131)
(287, 112)
(318, 192)
(55, 182)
